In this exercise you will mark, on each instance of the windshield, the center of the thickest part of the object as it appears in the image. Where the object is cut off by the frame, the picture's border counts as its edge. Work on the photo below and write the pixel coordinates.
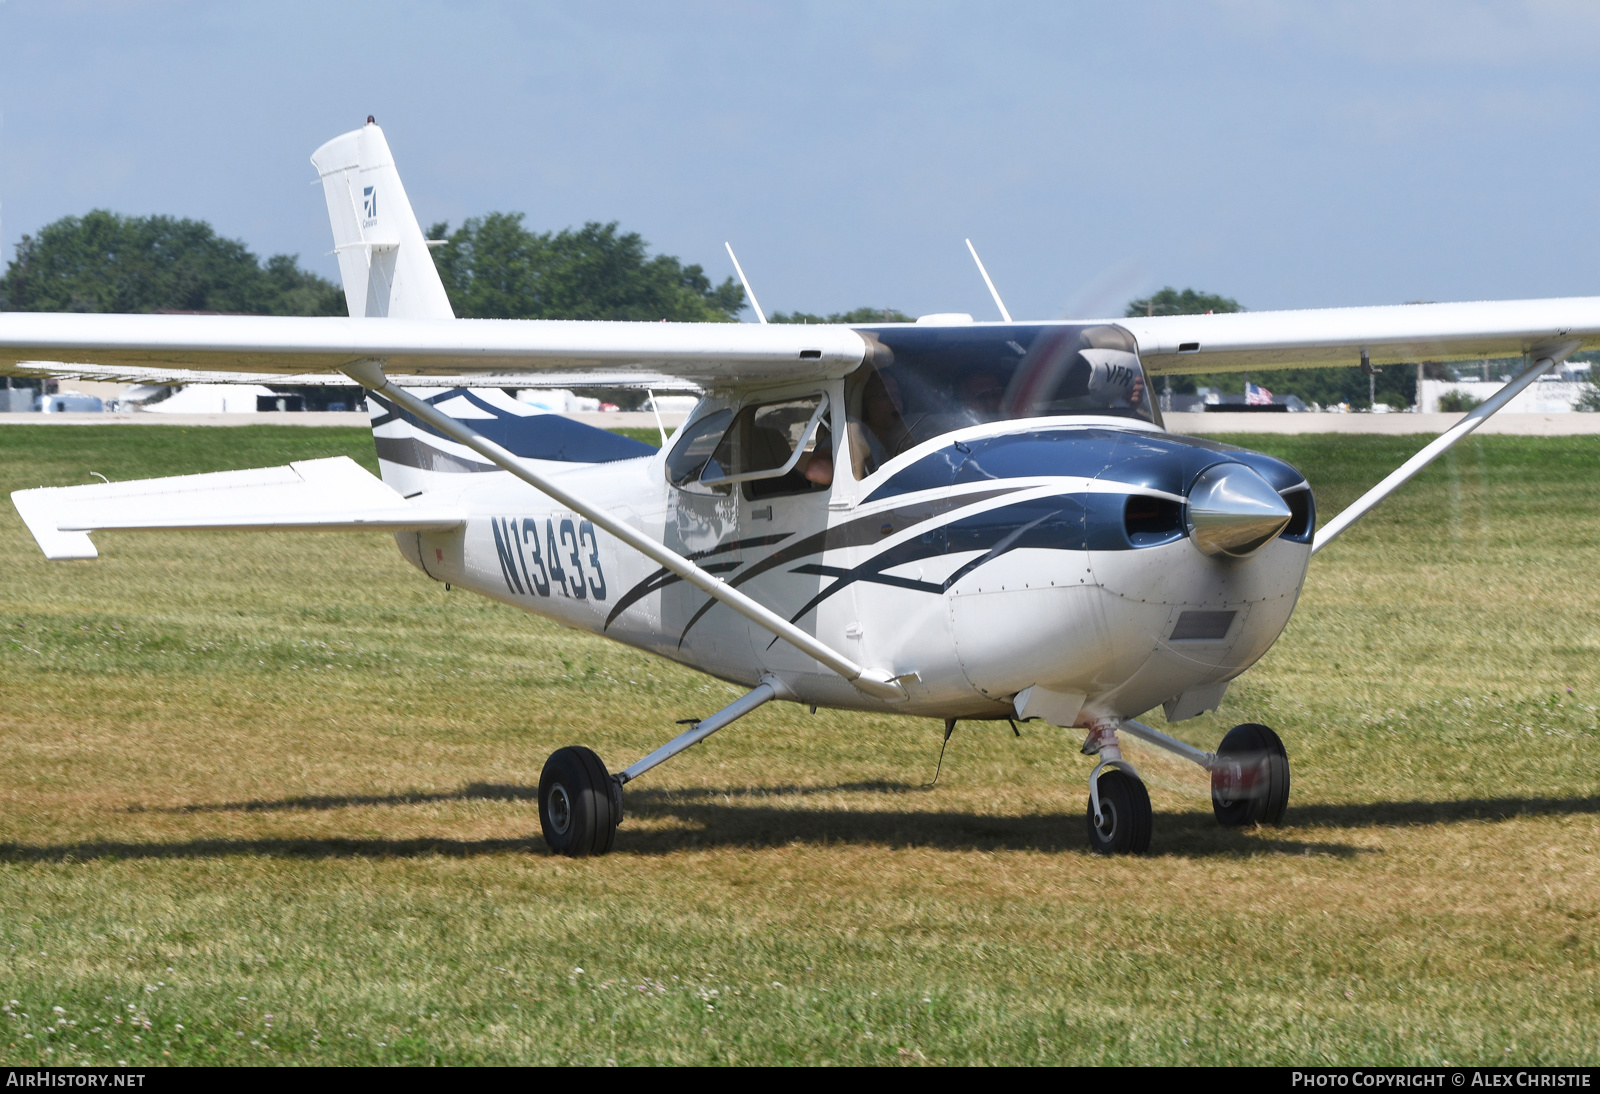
(922, 382)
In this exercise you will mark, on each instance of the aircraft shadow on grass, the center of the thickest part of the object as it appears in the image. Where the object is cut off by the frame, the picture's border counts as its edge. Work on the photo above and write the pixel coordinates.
(742, 817)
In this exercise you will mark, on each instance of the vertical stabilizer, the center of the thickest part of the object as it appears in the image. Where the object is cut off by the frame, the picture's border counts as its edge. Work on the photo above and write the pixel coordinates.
(383, 259)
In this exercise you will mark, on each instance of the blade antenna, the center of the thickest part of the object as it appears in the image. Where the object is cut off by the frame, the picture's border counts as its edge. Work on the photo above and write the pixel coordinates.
(745, 281)
(1001, 304)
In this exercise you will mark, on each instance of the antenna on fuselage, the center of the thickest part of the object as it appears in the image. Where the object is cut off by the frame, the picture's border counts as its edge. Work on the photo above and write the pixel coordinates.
(745, 281)
(1001, 304)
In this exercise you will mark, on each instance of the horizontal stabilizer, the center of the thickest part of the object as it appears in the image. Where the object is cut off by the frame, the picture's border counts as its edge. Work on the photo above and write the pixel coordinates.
(334, 494)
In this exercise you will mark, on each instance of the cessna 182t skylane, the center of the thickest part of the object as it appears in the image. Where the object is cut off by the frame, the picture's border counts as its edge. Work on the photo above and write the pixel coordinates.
(948, 519)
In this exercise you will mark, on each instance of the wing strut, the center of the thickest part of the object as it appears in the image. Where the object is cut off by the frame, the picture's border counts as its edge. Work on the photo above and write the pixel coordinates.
(701, 728)
(874, 682)
(1545, 358)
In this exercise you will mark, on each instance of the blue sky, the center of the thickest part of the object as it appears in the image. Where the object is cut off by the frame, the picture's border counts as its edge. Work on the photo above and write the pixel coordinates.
(1290, 155)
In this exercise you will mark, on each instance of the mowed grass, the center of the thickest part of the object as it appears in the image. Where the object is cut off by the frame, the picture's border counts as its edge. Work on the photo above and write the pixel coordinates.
(270, 798)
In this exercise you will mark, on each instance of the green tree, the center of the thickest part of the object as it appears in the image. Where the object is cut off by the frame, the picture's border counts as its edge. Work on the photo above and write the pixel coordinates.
(1170, 301)
(105, 262)
(1455, 402)
(853, 317)
(494, 268)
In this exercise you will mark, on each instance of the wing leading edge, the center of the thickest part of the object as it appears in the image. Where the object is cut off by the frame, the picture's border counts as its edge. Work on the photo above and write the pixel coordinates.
(744, 354)
(135, 374)
(1393, 334)
(708, 354)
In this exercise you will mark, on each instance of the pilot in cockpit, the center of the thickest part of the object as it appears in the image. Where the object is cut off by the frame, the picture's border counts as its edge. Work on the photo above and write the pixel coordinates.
(881, 431)
(818, 466)
(1135, 397)
(981, 393)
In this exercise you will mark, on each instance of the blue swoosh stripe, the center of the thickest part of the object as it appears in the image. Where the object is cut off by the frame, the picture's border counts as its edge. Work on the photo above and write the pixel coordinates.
(531, 436)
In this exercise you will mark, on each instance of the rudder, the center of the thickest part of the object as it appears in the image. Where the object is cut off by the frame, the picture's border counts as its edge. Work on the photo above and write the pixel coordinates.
(383, 258)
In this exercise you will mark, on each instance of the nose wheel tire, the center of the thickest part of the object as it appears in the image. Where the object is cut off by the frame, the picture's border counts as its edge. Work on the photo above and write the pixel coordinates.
(1125, 820)
(1250, 784)
(579, 803)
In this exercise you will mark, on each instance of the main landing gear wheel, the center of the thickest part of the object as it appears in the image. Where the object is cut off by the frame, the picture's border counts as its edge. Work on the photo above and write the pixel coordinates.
(580, 804)
(1250, 784)
(1125, 820)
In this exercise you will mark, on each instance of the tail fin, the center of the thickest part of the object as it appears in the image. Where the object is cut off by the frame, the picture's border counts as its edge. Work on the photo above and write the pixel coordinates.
(383, 258)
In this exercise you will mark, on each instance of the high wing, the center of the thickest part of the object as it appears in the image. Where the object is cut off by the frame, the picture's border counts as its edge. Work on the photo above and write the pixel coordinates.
(705, 354)
(146, 374)
(1393, 334)
(335, 494)
(498, 352)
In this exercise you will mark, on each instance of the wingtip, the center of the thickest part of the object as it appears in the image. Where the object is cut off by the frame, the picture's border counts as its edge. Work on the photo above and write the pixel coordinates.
(34, 507)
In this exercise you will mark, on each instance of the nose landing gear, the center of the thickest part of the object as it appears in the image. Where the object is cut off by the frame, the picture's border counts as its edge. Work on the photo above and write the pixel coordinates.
(1119, 806)
(1125, 819)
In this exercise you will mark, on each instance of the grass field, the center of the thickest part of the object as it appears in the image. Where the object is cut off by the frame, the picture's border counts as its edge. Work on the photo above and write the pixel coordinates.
(270, 798)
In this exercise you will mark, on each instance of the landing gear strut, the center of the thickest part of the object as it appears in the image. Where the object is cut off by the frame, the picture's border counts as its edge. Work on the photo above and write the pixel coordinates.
(1249, 782)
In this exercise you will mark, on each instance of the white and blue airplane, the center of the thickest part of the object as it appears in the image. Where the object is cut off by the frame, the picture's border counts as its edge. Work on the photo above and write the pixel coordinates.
(948, 519)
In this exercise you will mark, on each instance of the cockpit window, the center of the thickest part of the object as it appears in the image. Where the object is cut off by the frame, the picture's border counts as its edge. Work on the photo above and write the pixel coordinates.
(700, 439)
(772, 448)
(923, 382)
(776, 448)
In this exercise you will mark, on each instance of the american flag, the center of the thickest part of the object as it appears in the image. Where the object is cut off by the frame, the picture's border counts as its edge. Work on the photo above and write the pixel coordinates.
(1256, 395)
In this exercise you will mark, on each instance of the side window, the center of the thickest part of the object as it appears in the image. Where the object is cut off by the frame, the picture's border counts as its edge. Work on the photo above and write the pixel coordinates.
(690, 455)
(792, 434)
(782, 447)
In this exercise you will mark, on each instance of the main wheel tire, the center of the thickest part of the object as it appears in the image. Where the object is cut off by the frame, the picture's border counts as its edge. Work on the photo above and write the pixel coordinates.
(1125, 820)
(578, 803)
(1253, 787)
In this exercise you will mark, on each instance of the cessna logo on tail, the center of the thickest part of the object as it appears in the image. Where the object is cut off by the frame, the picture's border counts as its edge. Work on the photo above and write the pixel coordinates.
(369, 203)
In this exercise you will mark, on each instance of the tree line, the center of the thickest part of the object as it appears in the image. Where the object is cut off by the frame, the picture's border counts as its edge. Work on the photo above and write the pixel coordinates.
(103, 262)
(493, 268)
